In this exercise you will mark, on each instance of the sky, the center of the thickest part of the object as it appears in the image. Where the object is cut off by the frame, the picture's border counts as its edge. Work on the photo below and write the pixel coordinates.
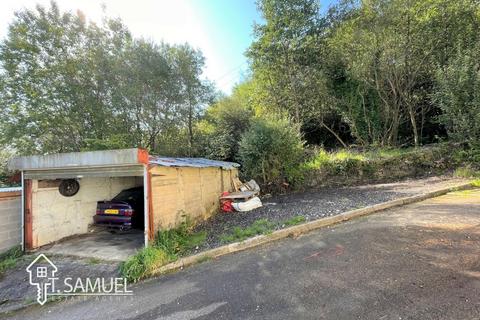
(221, 29)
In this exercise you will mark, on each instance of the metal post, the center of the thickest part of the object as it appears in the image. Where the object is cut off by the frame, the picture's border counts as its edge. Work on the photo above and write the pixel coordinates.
(22, 213)
(146, 199)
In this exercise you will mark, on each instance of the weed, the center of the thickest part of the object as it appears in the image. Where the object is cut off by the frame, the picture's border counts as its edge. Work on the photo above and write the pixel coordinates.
(9, 259)
(261, 226)
(294, 221)
(466, 172)
(93, 261)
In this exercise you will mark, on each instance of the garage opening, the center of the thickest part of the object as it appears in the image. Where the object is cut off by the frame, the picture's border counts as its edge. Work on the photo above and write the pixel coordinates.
(87, 204)
(88, 216)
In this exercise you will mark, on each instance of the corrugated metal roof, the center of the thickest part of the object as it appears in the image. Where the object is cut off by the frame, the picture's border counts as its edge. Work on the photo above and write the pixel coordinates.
(76, 159)
(107, 158)
(12, 189)
(191, 162)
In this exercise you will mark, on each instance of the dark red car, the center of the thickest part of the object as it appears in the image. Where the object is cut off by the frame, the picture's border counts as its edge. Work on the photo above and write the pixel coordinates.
(124, 211)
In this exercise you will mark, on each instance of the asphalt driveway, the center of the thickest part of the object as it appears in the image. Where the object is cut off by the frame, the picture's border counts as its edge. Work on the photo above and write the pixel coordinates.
(420, 261)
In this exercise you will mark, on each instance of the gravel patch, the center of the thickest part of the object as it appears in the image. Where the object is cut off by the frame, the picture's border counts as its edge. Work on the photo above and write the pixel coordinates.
(316, 204)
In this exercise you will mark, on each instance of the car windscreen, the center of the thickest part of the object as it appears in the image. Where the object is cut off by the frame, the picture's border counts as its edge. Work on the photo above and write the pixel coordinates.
(130, 194)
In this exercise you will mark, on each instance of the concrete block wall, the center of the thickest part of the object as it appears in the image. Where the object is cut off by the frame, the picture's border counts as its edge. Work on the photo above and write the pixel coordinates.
(10, 222)
(183, 191)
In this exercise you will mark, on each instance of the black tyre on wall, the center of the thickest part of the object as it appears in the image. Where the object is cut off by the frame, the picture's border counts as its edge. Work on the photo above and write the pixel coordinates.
(69, 187)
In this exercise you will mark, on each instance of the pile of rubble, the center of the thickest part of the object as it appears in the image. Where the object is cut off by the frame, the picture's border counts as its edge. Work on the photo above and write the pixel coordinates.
(244, 198)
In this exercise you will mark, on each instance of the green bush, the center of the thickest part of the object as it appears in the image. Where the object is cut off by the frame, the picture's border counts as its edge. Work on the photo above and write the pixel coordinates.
(220, 130)
(458, 96)
(271, 152)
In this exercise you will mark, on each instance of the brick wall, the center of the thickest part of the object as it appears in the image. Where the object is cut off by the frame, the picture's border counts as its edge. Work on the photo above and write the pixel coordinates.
(10, 221)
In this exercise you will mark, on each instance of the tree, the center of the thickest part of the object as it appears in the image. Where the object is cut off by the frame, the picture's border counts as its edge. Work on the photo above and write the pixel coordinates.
(458, 95)
(286, 60)
(196, 92)
(55, 83)
(69, 85)
(224, 123)
(383, 59)
(271, 150)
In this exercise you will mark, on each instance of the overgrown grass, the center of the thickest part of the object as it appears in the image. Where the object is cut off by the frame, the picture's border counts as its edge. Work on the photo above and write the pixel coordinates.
(466, 172)
(350, 167)
(143, 263)
(323, 158)
(261, 226)
(9, 259)
(168, 246)
(179, 241)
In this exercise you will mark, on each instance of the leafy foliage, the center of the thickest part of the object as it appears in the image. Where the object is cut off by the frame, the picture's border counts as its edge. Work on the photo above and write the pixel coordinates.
(4, 173)
(371, 62)
(224, 122)
(70, 85)
(458, 96)
(271, 150)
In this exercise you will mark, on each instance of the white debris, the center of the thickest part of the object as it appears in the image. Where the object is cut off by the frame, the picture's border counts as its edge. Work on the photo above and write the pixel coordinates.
(248, 205)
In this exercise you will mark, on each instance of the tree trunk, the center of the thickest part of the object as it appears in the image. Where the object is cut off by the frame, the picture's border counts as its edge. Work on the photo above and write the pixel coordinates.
(190, 130)
(336, 135)
(414, 126)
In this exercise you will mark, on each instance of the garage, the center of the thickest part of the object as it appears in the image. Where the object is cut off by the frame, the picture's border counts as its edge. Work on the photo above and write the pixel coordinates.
(66, 197)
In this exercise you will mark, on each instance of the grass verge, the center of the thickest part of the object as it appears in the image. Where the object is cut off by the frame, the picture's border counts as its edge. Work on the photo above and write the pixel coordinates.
(261, 226)
(168, 246)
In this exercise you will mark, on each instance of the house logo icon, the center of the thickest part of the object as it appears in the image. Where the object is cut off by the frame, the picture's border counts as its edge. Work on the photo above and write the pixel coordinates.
(42, 274)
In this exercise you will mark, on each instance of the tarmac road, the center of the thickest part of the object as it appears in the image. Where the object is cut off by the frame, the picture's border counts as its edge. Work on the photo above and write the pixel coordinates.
(420, 261)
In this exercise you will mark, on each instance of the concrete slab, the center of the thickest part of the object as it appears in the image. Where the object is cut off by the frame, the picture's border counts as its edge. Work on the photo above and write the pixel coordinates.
(101, 244)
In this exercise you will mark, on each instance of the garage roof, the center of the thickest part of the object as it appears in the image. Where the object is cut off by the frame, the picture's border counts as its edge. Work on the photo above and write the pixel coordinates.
(108, 158)
(191, 162)
(104, 158)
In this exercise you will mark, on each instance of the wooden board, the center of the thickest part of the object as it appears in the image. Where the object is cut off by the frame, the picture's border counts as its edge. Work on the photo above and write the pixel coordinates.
(240, 195)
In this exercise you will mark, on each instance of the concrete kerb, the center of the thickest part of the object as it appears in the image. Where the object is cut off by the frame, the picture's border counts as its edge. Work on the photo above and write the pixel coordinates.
(297, 230)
